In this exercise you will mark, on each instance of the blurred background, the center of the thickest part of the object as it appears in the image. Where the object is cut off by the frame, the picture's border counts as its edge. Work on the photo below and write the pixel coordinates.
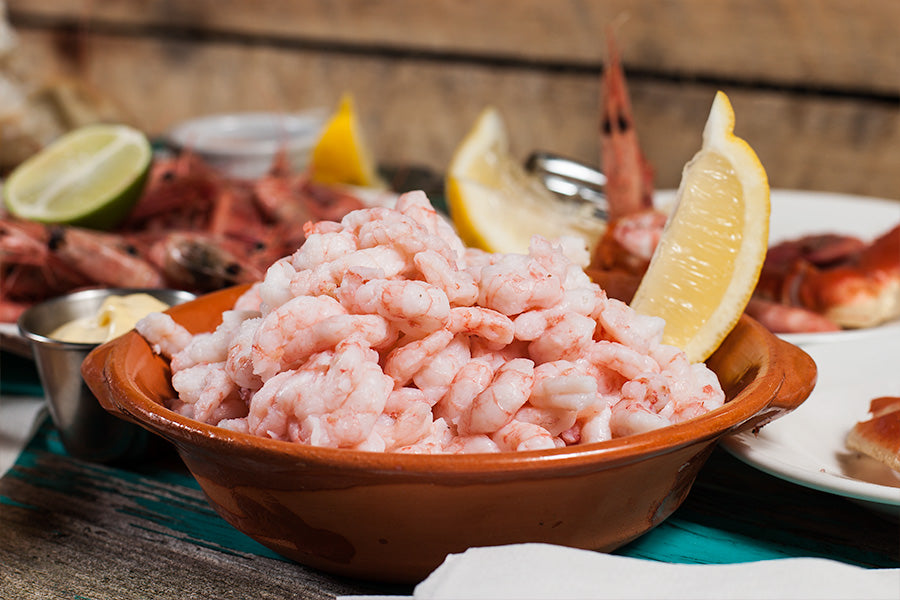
(815, 83)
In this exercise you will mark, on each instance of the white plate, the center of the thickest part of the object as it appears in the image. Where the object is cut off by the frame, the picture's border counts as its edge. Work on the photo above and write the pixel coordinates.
(807, 446)
(797, 213)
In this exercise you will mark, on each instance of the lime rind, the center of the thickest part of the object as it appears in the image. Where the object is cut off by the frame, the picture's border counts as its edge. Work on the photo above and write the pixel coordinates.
(90, 177)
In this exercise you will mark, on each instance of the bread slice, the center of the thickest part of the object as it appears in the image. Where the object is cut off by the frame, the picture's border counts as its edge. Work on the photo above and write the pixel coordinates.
(879, 437)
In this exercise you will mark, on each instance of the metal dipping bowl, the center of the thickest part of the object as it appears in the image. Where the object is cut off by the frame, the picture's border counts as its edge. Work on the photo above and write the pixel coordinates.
(87, 431)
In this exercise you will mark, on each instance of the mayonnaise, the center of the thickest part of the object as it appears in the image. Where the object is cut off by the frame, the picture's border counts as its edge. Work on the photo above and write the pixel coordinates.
(117, 315)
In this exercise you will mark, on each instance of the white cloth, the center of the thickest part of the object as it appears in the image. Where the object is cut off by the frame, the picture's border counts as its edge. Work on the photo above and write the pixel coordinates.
(543, 571)
(19, 418)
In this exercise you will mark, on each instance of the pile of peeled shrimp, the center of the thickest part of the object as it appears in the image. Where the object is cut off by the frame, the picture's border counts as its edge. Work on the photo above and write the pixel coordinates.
(382, 332)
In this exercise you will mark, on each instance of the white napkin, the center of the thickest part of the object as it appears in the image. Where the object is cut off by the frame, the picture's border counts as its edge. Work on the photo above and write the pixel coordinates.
(19, 418)
(545, 572)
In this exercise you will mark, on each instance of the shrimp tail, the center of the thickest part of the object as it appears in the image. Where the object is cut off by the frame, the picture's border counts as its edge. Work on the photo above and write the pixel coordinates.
(629, 176)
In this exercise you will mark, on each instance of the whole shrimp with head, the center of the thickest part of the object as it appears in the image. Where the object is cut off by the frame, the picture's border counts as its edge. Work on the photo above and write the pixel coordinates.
(438, 350)
(814, 283)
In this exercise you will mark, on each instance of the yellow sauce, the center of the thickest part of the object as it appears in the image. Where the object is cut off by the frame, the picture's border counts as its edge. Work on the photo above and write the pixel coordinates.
(117, 315)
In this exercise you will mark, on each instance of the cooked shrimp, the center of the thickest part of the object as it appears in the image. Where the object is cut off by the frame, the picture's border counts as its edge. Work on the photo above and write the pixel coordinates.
(495, 406)
(622, 324)
(629, 417)
(412, 306)
(433, 442)
(563, 385)
(239, 360)
(516, 283)
(492, 326)
(406, 418)
(620, 358)
(164, 335)
(322, 248)
(438, 270)
(435, 377)
(568, 338)
(211, 347)
(554, 420)
(334, 400)
(519, 436)
(249, 300)
(471, 444)
(405, 361)
(416, 205)
(209, 392)
(470, 380)
(276, 345)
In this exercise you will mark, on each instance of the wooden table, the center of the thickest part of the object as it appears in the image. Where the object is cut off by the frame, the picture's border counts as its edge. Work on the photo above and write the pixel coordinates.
(75, 529)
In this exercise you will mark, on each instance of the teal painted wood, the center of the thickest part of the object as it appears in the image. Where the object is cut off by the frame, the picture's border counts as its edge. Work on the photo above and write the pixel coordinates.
(118, 516)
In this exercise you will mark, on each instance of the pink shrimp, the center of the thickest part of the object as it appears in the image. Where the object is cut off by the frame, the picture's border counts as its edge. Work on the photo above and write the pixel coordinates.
(495, 406)
(333, 400)
(104, 258)
(629, 177)
(276, 345)
(412, 306)
(416, 205)
(322, 248)
(492, 326)
(619, 322)
(520, 436)
(471, 444)
(436, 269)
(403, 362)
(469, 381)
(435, 377)
(563, 385)
(239, 360)
(568, 338)
(208, 393)
(406, 418)
(164, 335)
(554, 420)
(211, 347)
(516, 283)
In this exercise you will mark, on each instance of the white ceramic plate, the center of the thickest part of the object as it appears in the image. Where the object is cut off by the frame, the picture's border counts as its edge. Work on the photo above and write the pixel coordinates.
(807, 446)
(798, 213)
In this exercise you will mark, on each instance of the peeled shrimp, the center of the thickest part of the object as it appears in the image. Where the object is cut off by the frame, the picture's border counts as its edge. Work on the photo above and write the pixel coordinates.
(495, 406)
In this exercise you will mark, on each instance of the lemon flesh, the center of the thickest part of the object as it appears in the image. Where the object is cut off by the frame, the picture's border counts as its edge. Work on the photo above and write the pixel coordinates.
(497, 206)
(708, 260)
(89, 177)
(341, 155)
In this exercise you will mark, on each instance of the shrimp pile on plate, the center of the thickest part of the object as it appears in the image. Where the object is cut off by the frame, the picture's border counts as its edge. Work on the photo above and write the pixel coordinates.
(384, 333)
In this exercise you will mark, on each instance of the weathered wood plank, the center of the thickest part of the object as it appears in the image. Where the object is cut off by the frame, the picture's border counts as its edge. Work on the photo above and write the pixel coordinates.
(70, 529)
(836, 44)
(416, 112)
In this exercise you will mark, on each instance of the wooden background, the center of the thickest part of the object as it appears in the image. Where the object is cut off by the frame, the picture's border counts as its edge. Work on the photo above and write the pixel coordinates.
(815, 83)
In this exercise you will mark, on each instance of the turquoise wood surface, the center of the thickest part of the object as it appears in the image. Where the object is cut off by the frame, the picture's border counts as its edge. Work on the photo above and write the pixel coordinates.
(70, 528)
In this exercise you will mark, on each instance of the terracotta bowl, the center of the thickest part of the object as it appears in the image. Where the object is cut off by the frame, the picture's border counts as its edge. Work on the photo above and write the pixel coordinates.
(395, 517)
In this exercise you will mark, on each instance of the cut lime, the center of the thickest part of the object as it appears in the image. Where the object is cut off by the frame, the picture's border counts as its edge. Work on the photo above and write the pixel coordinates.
(89, 177)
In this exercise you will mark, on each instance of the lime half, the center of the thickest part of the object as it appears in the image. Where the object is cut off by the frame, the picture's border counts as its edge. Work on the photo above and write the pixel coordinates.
(89, 177)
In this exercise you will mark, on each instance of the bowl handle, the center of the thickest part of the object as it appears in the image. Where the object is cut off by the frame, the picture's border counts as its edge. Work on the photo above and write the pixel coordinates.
(798, 378)
(93, 371)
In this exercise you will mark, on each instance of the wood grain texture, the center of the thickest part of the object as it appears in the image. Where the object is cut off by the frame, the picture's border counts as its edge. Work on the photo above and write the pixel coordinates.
(840, 43)
(71, 529)
(815, 83)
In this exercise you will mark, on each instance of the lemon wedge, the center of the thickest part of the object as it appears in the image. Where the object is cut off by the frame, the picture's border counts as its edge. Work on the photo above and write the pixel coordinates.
(90, 177)
(341, 155)
(708, 260)
(497, 206)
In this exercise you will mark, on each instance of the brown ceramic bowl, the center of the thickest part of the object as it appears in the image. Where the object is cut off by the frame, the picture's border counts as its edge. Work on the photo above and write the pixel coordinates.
(395, 517)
